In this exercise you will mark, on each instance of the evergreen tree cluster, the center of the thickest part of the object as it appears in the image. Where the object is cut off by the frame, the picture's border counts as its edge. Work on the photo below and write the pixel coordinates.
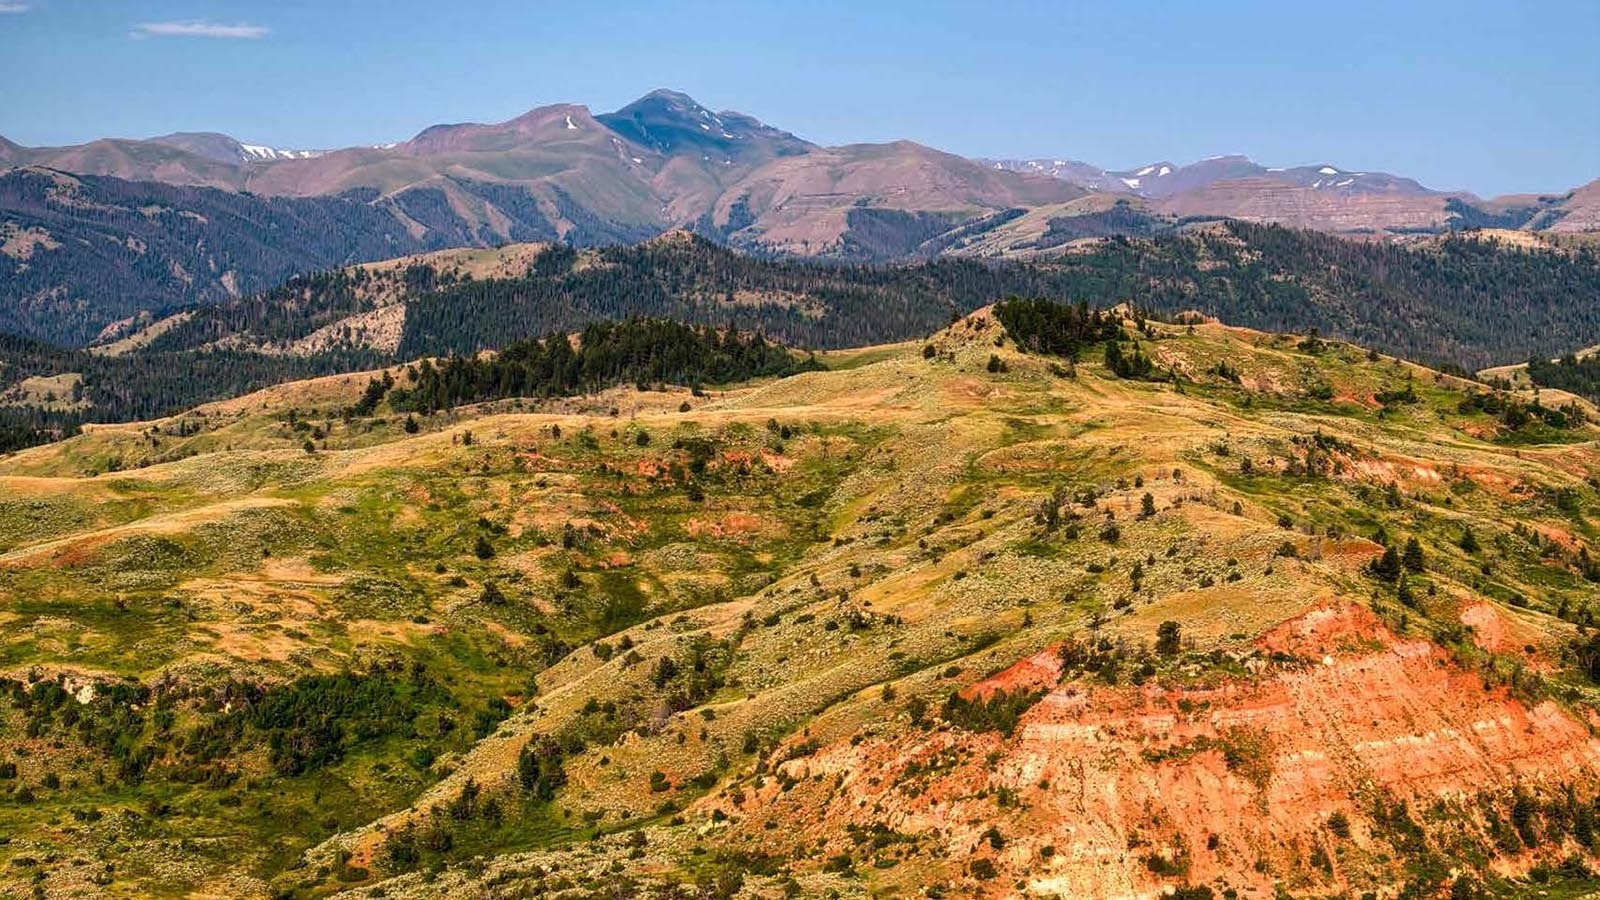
(639, 351)
(1060, 329)
(1129, 363)
(1516, 415)
(1569, 373)
(1000, 711)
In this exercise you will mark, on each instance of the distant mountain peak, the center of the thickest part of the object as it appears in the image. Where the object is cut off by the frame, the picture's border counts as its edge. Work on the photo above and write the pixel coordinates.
(556, 120)
(669, 94)
(1160, 180)
(225, 148)
(670, 121)
(549, 111)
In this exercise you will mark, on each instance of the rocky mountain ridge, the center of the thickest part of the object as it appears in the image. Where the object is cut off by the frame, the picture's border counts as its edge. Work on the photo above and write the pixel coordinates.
(666, 161)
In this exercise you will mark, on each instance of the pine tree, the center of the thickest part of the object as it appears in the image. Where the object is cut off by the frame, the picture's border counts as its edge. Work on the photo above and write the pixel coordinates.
(1413, 556)
(1387, 567)
(1404, 594)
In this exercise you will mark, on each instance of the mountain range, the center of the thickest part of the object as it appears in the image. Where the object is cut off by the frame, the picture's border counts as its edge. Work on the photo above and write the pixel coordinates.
(201, 217)
(665, 161)
(661, 162)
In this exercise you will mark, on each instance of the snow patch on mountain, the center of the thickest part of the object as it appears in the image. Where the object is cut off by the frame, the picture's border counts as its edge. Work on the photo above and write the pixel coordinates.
(260, 152)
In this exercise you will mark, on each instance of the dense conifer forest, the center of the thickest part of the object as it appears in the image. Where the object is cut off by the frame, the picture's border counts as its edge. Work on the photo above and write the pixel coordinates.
(142, 385)
(1450, 302)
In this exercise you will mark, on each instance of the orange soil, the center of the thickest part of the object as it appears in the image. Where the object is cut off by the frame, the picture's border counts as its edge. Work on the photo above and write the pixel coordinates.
(1236, 780)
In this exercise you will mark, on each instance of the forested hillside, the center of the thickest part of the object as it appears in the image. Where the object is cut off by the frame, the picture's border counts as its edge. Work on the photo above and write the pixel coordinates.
(138, 386)
(1457, 300)
(1460, 301)
(101, 249)
(682, 277)
(1449, 301)
(79, 252)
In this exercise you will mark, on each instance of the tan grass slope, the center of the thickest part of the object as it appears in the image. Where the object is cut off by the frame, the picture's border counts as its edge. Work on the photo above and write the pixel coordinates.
(919, 522)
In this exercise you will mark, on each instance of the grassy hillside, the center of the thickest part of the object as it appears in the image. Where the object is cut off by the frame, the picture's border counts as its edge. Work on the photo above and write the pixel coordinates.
(862, 631)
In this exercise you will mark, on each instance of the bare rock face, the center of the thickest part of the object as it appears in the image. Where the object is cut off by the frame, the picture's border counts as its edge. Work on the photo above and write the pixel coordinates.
(1345, 745)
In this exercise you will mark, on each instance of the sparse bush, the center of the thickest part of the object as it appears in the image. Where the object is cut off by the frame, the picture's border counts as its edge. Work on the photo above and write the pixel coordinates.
(1168, 638)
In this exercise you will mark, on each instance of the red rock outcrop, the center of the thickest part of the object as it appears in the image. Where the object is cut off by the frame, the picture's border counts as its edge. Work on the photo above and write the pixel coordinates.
(1124, 792)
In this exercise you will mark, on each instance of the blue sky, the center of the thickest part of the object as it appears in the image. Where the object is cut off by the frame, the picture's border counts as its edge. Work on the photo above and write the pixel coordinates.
(1493, 97)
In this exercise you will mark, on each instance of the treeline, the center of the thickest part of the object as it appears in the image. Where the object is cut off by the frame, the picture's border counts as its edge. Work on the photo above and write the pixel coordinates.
(1447, 302)
(1569, 373)
(145, 385)
(639, 351)
(27, 426)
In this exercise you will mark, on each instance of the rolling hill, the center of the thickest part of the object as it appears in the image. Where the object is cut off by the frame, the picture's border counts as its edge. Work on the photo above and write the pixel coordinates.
(1444, 299)
(1309, 621)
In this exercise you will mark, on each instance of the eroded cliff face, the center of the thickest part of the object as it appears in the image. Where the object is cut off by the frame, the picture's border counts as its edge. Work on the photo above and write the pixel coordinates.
(1340, 758)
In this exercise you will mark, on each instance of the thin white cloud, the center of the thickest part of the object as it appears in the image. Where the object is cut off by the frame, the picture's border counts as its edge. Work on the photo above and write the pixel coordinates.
(196, 28)
(13, 7)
